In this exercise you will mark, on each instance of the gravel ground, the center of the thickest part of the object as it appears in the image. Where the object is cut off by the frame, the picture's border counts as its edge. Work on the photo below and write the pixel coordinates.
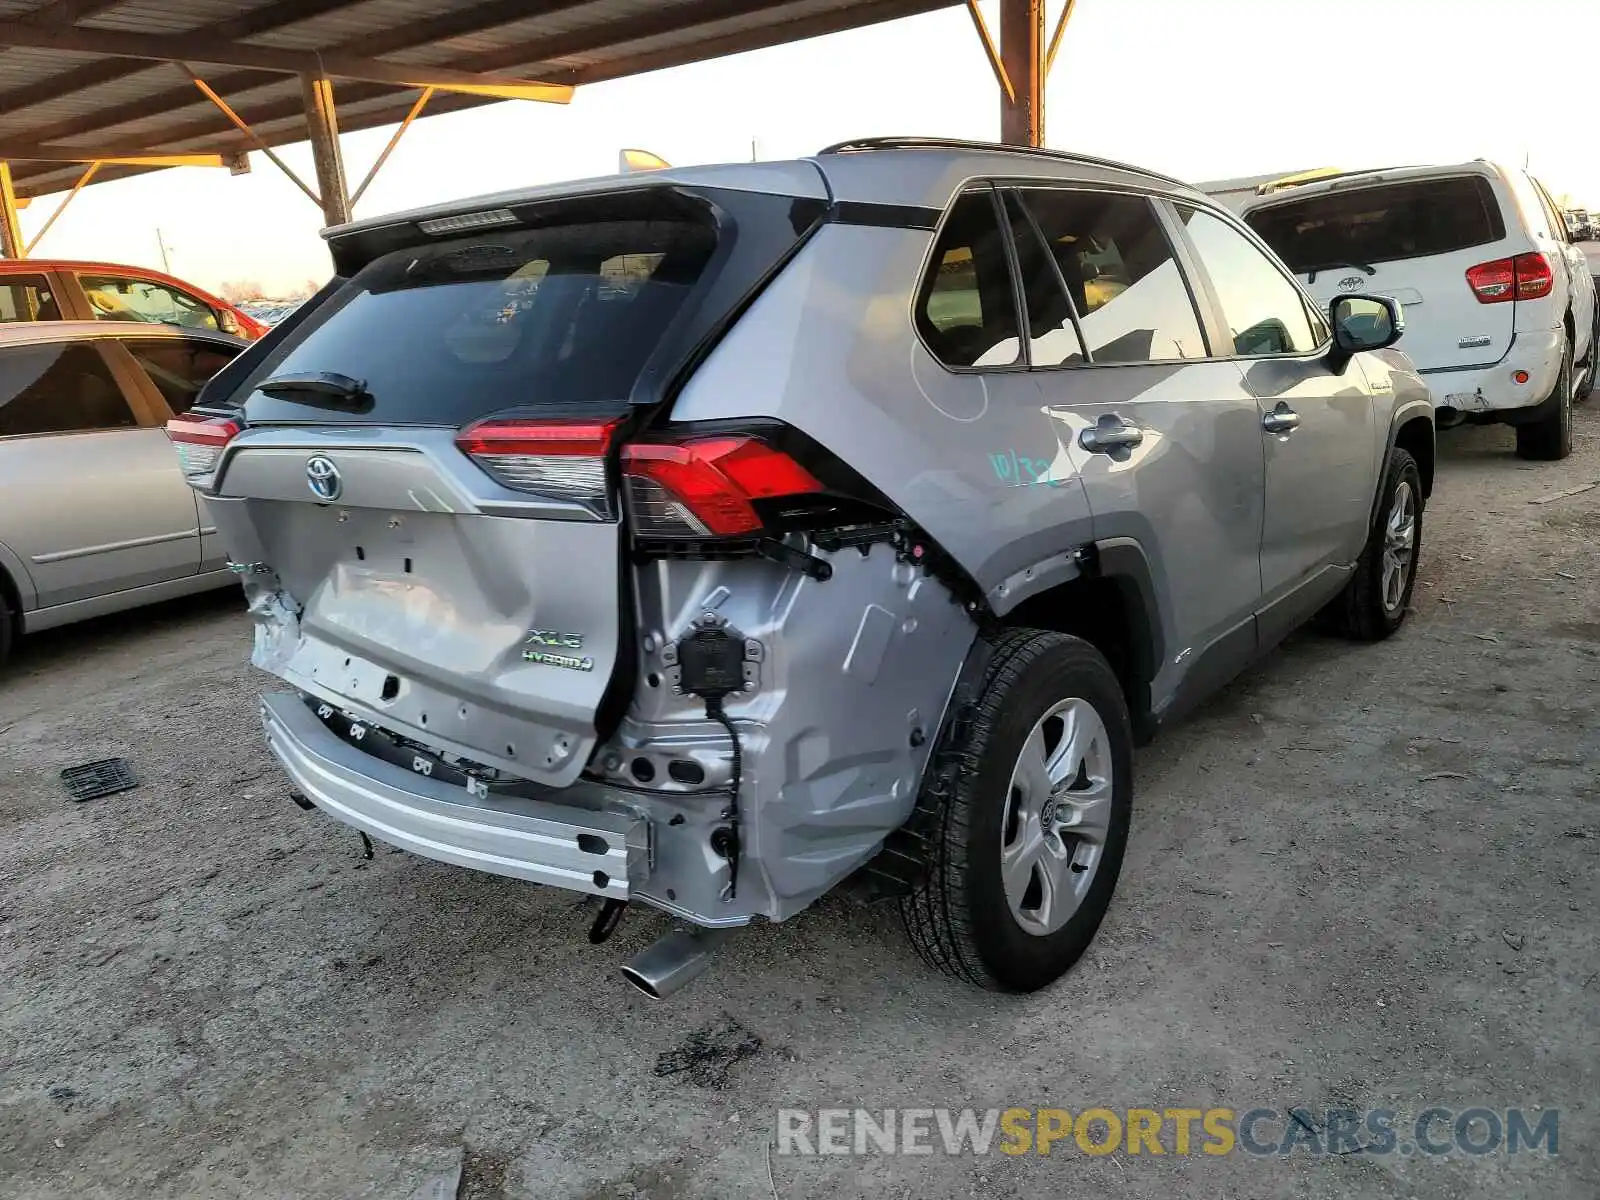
(1362, 877)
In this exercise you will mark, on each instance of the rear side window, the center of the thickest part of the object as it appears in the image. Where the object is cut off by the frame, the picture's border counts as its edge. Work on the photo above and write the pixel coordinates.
(1552, 214)
(27, 298)
(1382, 224)
(62, 388)
(116, 298)
(179, 366)
(559, 317)
(966, 309)
(1132, 301)
(1052, 334)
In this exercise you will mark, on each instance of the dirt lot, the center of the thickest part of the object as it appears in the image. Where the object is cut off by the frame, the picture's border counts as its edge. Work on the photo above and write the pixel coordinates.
(1363, 877)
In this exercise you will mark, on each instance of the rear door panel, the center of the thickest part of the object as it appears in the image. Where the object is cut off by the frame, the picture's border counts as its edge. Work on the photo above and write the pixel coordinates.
(172, 369)
(101, 510)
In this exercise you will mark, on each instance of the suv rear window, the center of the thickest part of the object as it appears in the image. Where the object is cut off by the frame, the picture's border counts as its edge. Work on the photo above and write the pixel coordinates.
(559, 317)
(1382, 224)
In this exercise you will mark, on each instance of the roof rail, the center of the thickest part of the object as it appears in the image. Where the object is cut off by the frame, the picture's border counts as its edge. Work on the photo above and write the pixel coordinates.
(938, 143)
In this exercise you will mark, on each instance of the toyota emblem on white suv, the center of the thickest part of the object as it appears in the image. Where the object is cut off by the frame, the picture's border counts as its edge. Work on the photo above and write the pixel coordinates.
(323, 477)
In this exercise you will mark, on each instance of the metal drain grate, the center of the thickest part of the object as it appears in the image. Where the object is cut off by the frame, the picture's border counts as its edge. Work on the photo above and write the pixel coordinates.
(90, 781)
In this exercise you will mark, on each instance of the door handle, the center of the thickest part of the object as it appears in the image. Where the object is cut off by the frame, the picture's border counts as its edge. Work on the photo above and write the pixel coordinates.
(1109, 434)
(1281, 419)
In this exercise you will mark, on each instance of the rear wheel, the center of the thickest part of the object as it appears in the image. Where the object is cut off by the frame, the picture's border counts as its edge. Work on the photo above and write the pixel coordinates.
(1374, 602)
(1550, 438)
(1030, 820)
(8, 619)
(1586, 384)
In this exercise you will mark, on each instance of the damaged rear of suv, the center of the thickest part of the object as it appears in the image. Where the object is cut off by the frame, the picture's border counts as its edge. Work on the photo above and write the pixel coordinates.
(645, 538)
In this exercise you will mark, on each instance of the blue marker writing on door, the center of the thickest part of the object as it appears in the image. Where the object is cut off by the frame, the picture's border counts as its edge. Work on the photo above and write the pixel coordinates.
(1017, 470)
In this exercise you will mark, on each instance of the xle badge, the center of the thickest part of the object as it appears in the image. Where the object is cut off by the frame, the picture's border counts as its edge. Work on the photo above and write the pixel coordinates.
(552, 637)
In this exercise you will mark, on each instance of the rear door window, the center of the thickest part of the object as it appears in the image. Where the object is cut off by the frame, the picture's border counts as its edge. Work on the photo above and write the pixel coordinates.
(120, 298)
(967, 307)
(1052, 325)
(1552, 213)
(59, 388)
(1382, 224)
(179, 366)
(561, 318)
(1133, 303)
(27, 298)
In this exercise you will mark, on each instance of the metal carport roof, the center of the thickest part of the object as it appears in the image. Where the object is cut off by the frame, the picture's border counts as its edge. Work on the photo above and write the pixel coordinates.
(96, 90)
(82, 80)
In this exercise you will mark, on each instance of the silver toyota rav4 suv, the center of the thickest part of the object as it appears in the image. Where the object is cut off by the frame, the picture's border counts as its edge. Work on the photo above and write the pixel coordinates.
(707, 537)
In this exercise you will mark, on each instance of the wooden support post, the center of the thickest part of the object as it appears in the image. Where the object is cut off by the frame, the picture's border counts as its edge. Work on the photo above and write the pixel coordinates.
(11, 243)
(322, 127)
(1022, 53)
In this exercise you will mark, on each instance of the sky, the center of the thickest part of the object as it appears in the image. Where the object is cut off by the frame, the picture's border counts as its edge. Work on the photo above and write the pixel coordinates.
(1200, 89)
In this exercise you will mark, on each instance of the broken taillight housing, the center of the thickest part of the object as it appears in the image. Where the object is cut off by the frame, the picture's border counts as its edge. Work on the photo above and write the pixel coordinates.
(563, 459)
(199, 442)
(707, 486)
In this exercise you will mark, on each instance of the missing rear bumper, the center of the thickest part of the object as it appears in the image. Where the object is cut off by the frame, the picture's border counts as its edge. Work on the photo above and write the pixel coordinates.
(595, 852)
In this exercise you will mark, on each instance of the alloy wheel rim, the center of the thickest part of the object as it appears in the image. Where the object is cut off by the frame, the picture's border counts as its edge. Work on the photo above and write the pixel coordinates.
(1399, 546)
(1057, 818)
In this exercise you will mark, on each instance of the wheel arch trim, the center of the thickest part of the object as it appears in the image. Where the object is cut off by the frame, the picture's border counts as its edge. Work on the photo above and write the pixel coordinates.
(15, 578)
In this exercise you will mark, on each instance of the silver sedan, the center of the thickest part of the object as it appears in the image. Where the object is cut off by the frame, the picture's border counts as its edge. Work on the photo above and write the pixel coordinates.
(94, 514)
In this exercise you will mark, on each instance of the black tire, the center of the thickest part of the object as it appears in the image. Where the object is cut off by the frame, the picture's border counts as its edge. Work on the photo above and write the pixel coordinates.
(8, 619)
(1586, 389)
(1550, 438)
(1362, 611)
(959, 918)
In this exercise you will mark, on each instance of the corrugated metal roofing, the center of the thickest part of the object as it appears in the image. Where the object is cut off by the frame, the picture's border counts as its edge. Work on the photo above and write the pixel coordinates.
(58, 102)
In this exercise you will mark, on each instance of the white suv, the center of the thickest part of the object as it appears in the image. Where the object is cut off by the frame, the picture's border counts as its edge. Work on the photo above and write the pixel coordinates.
(1499, 304)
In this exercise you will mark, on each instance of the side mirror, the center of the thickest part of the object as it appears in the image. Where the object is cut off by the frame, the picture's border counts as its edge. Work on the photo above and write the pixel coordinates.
(229, 323)
(1362, 323)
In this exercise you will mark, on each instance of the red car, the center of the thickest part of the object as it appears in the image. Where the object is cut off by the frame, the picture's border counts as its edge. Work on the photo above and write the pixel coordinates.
(38, 289)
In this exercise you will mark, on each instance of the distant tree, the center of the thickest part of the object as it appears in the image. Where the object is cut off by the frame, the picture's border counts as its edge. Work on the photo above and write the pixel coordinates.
(237, 291)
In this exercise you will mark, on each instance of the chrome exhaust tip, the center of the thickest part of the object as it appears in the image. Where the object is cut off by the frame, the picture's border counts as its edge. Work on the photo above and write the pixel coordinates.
(671, 962)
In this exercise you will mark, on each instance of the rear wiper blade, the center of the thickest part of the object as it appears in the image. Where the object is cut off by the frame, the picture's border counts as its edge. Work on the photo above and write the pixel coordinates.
(1311, 272)
(327, 389)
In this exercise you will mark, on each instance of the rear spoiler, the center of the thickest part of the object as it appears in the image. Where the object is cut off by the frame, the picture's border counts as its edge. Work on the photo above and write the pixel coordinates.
(1319, 175)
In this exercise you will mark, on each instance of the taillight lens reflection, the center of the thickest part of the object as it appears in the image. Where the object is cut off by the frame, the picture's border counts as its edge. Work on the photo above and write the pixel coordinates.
(563, 459)
(199, 443)
(704, 487)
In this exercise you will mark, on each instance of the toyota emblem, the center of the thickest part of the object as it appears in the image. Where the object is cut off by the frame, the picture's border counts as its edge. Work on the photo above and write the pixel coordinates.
(322, 476)
(1349, 283)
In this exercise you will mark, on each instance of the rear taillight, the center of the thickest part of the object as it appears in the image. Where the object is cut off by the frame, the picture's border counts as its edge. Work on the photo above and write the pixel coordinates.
(1525, 277)
(199, 443)
(562, 459)
(707, 487)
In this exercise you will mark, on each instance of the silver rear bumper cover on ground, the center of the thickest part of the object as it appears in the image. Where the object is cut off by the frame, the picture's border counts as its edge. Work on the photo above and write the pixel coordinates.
(582, 850)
